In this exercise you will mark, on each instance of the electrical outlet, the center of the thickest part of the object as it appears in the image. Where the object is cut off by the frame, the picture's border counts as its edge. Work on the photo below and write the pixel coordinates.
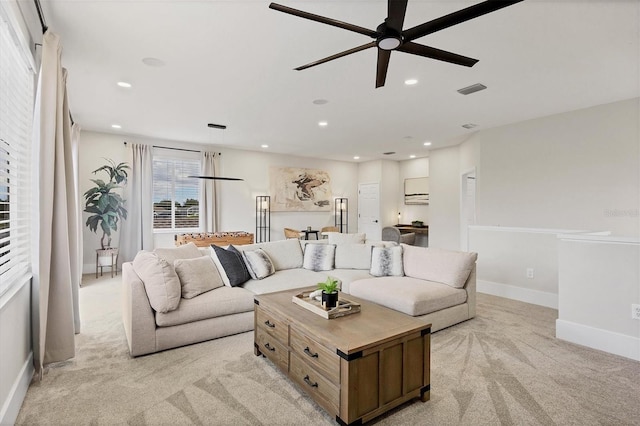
(635, 311)
(530, 273)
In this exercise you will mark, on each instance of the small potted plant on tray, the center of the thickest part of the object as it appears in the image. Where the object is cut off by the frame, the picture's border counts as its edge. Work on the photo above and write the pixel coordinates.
(329, 293)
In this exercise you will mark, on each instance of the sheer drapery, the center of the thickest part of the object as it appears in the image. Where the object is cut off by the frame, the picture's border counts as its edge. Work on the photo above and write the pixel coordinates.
(137, 230)
(208, 205)
(56, 254)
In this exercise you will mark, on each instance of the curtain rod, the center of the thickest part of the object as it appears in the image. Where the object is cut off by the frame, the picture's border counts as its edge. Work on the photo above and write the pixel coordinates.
(175, 149)
(43, 23)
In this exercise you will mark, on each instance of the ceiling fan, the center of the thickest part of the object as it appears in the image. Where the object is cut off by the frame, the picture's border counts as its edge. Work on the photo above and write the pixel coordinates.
(389, 35)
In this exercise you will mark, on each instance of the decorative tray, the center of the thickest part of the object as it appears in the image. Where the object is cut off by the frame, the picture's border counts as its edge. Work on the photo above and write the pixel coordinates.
(345, 306)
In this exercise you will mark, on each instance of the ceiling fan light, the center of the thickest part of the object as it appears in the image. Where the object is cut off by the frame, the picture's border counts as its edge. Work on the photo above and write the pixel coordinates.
(389, 43)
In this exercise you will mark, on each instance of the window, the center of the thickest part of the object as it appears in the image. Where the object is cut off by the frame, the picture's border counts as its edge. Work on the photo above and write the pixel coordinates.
(176, 196)
(16, 110)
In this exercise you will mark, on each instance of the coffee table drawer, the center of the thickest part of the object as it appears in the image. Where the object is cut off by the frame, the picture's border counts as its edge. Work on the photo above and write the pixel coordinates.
(273, 325)
(320, 389)
(316, 355)
(272, 349)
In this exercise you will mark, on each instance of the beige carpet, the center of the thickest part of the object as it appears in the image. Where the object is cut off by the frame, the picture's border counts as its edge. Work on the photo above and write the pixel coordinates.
(503, 367)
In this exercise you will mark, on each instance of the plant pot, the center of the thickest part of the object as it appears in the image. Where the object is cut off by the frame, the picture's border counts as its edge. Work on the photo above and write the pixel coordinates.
(329, 300)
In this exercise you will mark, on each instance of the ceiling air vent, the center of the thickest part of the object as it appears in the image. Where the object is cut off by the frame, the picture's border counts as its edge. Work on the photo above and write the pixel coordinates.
(389, 153)
(469, 125)
(472, 89)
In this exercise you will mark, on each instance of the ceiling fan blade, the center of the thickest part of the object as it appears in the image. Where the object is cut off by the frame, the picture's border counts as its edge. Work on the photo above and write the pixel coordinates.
(396, 12)
(455, 18)
(383, 65)
(214, 178)
(336, 56)
(433, 53)
(322, 19)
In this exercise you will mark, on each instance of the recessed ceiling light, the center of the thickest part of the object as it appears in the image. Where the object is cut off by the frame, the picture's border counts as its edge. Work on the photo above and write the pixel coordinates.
(355, 157)
(323, 123)
(411, 82)
(116, 126)
(320, 101)
(412, 156)
(124, 84)
(153, 62)
(427, 144)
(264, 145)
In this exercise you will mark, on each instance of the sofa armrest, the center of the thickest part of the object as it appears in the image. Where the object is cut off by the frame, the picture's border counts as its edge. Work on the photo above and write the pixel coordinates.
(137, 315)
(470, 288)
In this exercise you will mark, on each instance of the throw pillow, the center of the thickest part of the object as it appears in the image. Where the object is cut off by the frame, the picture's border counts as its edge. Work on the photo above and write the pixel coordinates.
(160, 281)
(338, 238)
(386, 262)
(197, 276)
(259, 264)
(170, 254)
(230, 265)
(319, 257)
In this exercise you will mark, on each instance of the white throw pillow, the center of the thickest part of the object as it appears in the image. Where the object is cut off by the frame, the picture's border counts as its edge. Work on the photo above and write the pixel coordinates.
(319, 257)
(160, 281)
(353, 256)
(386, 262)
(284, 254)
(171, 254)
(258, 263)
(197, 276)
(339, 238)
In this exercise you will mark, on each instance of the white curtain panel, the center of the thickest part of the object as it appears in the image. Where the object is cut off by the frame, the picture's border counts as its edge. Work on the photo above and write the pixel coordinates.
(208, 205)
(56, 231)
(136, 232)
(77, 271)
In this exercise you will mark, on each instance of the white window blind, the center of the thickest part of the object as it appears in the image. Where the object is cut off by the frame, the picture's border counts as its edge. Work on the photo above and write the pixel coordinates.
(176, 204)
(16, 111)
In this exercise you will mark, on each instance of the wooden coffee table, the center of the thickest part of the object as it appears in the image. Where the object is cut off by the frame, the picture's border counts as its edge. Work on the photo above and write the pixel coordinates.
(357, 366)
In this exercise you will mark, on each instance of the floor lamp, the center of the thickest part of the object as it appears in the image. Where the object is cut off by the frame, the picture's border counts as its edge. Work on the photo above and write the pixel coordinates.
(341, 210)
(263, 218)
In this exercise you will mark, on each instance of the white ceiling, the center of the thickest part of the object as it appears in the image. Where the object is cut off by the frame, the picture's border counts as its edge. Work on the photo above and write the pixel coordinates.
(231, 62)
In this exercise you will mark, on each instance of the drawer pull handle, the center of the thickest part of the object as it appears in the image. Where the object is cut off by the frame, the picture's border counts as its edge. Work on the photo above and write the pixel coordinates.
(308, 352)
(268, 324)
(307, 381)
(269, 347)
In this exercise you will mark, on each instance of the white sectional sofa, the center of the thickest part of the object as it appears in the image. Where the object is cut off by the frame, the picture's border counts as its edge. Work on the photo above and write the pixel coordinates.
(435, 285)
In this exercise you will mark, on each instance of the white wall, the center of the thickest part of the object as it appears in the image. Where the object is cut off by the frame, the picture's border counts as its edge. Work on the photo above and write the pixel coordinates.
(444, 198)
(415, 168)
(599, 280)
(236, 199)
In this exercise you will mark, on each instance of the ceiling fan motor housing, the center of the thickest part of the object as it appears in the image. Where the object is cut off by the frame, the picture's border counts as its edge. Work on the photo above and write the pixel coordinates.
(388, 38)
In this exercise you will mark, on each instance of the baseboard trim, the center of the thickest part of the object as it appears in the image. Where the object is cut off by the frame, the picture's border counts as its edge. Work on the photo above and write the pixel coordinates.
(542, 298)
(597, 338)
(11, 406)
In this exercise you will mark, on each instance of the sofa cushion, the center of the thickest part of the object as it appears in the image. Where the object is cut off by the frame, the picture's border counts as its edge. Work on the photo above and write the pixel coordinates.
(346, 276)
(284, 254)
(443, 266)
(230, 265)
(411, 296)
(258, 263)
(286, 280)
(197, 276)
(216, 303)
(340, 238)
(171, 254)
(386, 261)
(353, 256)
(160, 281)
(319, 257)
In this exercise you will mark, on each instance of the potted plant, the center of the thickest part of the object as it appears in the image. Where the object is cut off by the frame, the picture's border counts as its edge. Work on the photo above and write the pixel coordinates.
(105, 205)
(329, 293)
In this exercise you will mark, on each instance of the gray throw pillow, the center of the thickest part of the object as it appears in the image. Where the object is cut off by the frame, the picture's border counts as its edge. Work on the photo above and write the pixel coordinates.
(160, 281)
(386, 262)
(259, 264)
(319, 257)
(197, 276)
(232, 269)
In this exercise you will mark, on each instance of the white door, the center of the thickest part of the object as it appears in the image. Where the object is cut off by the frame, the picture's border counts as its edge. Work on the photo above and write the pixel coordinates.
(467, 207)
(369, 210)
